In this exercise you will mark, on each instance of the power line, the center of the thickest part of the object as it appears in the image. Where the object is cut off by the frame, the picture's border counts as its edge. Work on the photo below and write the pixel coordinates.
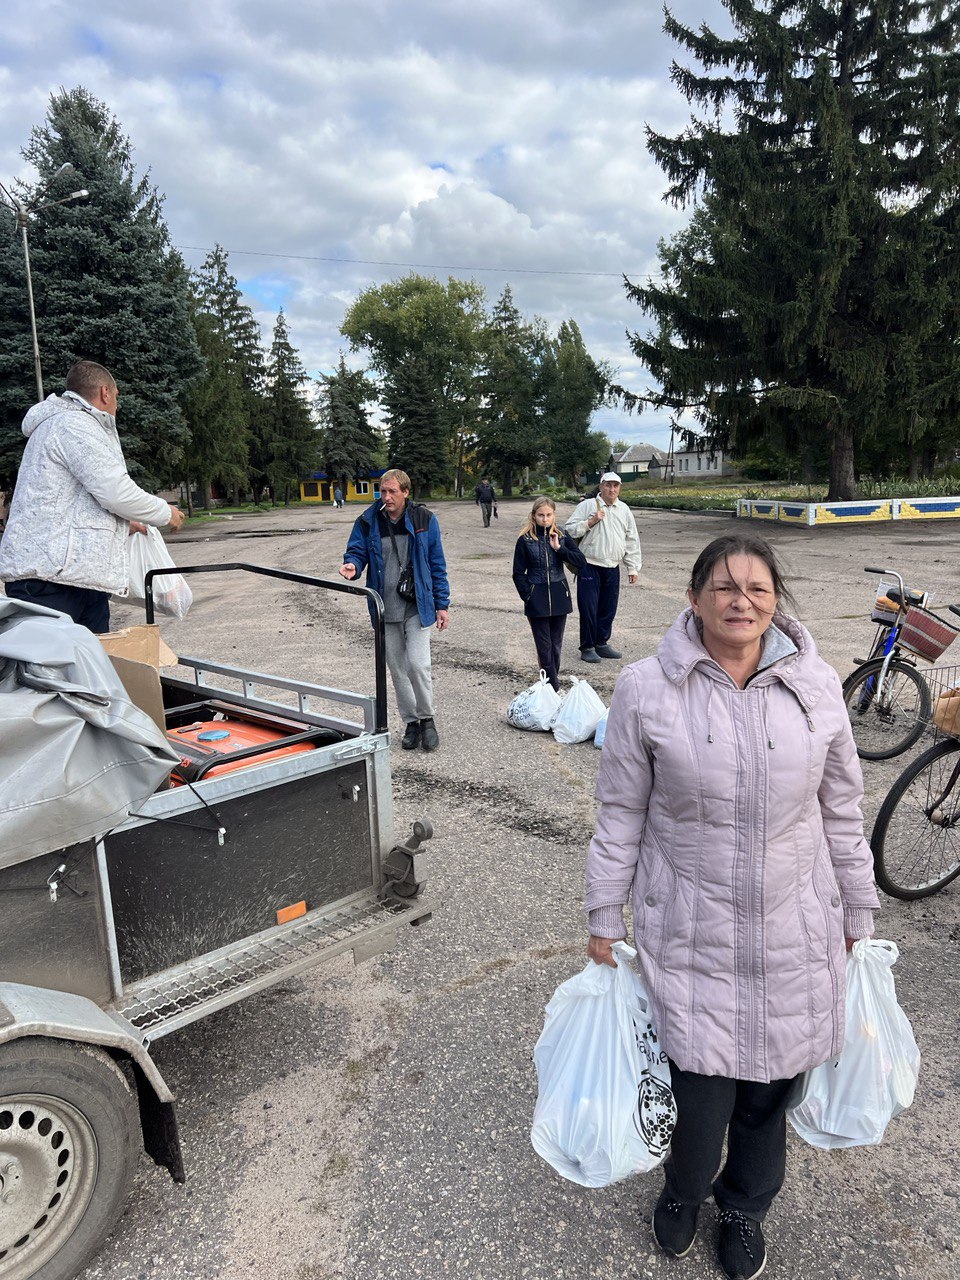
(420, 266)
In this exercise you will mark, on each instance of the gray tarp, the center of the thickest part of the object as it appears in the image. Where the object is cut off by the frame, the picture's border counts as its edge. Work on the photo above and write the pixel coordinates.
(75, 753)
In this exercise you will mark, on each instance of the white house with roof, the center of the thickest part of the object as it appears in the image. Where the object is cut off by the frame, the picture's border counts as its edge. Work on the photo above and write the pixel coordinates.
(700, 462)
(636, 460)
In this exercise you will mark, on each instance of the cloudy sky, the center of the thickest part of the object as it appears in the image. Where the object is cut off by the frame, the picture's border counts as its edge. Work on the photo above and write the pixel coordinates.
(334, 145)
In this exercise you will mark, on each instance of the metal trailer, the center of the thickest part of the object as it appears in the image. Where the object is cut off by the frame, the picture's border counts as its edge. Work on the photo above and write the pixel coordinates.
(110, 944)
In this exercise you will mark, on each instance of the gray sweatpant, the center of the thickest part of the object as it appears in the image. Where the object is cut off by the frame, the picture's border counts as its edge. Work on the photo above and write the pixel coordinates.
(408, 657)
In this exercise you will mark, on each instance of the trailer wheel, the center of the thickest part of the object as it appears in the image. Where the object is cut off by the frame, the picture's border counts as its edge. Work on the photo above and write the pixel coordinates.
(69, 1143)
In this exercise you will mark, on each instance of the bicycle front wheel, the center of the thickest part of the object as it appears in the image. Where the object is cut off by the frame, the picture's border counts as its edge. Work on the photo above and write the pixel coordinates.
(916, 838)
(888, 723)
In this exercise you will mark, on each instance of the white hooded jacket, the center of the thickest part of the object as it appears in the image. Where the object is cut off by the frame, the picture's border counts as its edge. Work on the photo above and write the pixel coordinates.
(69, 519)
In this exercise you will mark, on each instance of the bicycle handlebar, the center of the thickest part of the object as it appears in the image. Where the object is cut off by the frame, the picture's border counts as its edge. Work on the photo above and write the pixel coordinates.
(903, 589)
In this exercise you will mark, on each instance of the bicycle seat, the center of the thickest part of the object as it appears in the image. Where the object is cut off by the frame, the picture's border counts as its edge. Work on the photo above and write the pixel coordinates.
(913, 597)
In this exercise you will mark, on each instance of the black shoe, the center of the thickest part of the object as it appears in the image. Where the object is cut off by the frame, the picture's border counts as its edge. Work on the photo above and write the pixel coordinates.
(429, 738)
(740, 1250)
(411, 739)
(674, 1225)
(589, 655)
(605, 651)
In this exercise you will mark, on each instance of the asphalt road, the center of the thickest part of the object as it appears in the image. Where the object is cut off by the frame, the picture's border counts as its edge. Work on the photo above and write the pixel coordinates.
(374, 1122)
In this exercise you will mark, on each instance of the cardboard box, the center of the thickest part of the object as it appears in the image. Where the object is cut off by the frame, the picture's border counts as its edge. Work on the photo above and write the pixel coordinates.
(140, 644)
(137, 654)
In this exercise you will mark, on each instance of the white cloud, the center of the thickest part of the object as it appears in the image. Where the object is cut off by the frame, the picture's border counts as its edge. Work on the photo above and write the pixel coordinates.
(490, 136)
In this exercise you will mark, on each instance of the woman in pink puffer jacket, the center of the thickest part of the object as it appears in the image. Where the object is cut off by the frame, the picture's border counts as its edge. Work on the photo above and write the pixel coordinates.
(730, 792)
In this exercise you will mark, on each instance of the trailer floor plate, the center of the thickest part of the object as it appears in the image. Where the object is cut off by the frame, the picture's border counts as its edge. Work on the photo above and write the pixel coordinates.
(173, 999)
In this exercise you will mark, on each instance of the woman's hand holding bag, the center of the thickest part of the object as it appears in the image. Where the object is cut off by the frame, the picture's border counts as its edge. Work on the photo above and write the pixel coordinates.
(849, 1101)
(605, 1109)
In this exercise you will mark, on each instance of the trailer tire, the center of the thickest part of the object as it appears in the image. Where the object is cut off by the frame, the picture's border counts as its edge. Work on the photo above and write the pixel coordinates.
(69, 1144)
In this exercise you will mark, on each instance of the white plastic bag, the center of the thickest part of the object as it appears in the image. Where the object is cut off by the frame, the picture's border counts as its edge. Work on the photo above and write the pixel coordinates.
(536, 707)
(601, 731)
(171, 595)
(579, 715)
(848, 1101)
(605, 1109)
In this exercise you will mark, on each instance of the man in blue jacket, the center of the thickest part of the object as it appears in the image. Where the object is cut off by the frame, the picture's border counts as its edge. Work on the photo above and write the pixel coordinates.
(387, 539)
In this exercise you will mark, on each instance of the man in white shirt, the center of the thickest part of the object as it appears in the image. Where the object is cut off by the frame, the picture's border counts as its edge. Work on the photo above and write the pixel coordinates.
(65, 544)
(608, 537)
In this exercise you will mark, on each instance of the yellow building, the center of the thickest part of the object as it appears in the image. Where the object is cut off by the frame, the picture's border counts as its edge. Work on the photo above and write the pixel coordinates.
(319, 488)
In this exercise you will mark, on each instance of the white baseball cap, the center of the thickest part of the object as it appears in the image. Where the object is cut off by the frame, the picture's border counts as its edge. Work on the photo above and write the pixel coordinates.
(610, 476)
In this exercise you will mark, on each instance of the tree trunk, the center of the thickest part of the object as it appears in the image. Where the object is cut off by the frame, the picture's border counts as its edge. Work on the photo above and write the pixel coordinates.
(843, 484)
(507, 489)
(189, 495)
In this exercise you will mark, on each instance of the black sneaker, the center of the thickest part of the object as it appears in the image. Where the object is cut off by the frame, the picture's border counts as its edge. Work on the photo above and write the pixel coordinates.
(674, 1225)
(606, 651)
(411, 738)
(429, 738)
(740, 1250)
(589, 655)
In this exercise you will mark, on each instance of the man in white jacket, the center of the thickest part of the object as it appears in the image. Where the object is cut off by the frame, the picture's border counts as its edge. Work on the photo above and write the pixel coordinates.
(65, 544)
(608, 534)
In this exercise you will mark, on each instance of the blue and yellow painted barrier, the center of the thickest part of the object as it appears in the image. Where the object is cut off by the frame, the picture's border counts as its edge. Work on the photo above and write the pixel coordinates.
(866, 511)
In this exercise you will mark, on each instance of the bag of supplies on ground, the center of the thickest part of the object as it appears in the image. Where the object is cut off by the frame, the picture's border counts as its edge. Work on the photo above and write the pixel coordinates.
(848, 1101)
(579, 714)
(605, 1109)
(536, 707)
(601, 731)
(171, 595)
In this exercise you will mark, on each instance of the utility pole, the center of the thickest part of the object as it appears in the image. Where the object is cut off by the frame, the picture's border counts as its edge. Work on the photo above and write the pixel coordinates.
(23, 213)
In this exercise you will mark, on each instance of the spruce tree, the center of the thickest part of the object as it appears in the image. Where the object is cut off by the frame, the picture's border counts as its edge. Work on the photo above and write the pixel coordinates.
(574, 385)
(814, 294)
(349, 444)
(418, 439)
(108, 287)
(509, 424)
(291, 434)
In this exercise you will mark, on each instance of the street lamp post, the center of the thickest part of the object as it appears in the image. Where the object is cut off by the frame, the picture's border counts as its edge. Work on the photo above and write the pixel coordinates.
(23, 213)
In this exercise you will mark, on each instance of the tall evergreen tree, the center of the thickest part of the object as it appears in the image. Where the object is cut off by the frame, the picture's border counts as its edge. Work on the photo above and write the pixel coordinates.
(509, 424)
(815, 292)
(290, 430)
(349, 444)
(219, 297)
(574, 385)
(216, 446)
(108, 287)
(418, 438)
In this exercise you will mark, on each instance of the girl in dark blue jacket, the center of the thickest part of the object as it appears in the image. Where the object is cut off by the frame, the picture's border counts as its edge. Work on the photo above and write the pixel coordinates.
(538, 575)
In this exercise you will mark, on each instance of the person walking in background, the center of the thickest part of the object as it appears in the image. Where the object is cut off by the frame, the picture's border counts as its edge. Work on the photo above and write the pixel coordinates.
(607, 532)
(391, 535)
(338, 497)
(74, 506)
(486, 499)
(538, 560)
(729, 811)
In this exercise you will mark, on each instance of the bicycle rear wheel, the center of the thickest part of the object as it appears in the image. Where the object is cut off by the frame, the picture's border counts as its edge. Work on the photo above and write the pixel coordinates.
(887, 725)
(916, 838)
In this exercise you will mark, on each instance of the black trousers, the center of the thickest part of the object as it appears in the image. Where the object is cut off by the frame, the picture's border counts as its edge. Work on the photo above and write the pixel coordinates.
(598, 592)
(752, 1117)
(485, 509)
(548, 637)
(91, 609)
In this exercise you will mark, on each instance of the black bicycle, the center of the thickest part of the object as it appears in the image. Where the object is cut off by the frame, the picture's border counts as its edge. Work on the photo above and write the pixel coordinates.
(887, 698)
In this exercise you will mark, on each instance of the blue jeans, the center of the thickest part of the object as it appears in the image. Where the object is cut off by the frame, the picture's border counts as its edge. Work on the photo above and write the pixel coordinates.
(91, 609)
(598, 593)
